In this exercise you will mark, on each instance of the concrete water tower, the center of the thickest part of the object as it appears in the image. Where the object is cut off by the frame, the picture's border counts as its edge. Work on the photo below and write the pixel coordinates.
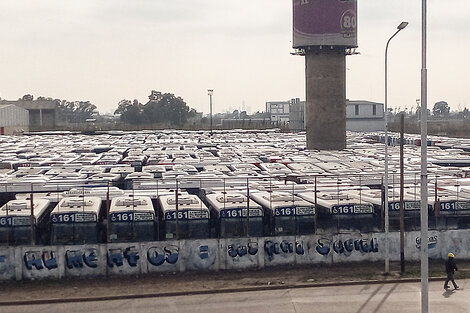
(325, 32)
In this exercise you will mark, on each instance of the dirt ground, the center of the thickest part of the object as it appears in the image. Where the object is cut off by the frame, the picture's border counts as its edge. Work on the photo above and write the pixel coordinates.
(214, 281)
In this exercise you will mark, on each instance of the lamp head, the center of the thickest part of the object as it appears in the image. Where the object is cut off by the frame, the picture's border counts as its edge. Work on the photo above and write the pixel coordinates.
(402, 25)
(210, 92)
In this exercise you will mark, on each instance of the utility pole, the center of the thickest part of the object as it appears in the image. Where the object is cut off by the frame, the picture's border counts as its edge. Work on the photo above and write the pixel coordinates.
(402, 190)
(424, 169)
(210, 92)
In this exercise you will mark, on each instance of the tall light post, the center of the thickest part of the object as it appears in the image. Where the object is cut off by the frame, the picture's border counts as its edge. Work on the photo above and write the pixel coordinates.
(387, 241)
(424, 164)
(210, 92)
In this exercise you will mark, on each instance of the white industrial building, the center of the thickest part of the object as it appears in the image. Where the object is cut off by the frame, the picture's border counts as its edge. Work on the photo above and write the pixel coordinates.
(13, 119)
(361, 115)
(279, 111)
(364, 116)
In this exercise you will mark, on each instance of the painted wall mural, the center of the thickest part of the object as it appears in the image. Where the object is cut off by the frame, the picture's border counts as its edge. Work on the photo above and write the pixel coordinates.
(39, 260)
(217, 254)
(326, 245)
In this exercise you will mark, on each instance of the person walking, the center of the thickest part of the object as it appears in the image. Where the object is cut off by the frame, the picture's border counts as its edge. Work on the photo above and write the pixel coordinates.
(450, 268)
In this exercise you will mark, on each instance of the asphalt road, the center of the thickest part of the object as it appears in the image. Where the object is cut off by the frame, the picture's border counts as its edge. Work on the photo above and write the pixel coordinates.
(389, 298)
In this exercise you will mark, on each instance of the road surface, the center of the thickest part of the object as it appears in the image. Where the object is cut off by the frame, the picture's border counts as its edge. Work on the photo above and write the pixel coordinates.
(387, 298)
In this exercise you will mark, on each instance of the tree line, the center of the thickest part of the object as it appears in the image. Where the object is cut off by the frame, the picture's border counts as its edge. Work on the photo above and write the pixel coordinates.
(162, 108)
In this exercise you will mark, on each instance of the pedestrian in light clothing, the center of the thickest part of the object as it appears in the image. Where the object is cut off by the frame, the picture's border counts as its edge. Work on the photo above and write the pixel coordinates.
(450, 268)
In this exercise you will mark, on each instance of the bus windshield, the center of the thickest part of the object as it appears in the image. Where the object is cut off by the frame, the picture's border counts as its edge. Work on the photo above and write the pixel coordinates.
(132, 231)
(15, 235)
(75, 233)
(196, 229)
(294, 225)
(239, 227)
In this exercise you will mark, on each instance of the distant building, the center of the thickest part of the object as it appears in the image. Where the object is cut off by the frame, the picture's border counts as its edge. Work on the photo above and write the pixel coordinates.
(364, 116)
(297, 115)
(42, 112)
(279, 111)
(361, 115)
(13, 119)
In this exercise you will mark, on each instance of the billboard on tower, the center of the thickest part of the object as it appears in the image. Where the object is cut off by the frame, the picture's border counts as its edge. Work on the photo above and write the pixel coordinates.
(325, 23)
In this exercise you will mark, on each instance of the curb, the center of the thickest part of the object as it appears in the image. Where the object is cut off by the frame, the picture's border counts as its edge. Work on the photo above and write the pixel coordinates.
(216, 291)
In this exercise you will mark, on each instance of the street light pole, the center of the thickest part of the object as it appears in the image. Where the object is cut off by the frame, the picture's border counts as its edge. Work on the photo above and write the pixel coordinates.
(210, 92)
(424, 169)
(387, 241)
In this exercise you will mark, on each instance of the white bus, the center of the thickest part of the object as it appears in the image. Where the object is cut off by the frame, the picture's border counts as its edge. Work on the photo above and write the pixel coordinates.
(343, 211)
(187, 217)
(15, 220)
(289, 214)
(234, 216)
(132, 218)
(76, 220)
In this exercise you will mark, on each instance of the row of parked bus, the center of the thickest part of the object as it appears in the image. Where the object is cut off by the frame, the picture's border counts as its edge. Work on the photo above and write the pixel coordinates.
(96, 215)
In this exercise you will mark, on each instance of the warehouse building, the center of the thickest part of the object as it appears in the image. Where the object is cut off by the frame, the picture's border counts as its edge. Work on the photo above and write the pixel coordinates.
(13, 119)
(361, 115)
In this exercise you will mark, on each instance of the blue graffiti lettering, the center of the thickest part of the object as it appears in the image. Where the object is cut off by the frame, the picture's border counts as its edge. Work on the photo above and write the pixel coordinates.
(172, 254)
(154, 257)
(287, 247)
(241, 250)
(76, 258)
(49, 259)
(90, 258)
(299, 248)
(347, 246)
(132, 256)
(157, 256)
(338, 246)
(115, 257)
(73, 258)
(271, 248)
(203, 252)
(323, 246)
(232, 251)
(252, 248)
(32, 258)
(35, 259)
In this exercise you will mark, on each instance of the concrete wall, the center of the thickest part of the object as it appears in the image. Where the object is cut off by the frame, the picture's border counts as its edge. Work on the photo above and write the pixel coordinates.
(325, 111)
(54, 262)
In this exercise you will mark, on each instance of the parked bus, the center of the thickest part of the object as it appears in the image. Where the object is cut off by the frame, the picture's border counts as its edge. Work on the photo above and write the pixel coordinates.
(184, 217)
(76, 220)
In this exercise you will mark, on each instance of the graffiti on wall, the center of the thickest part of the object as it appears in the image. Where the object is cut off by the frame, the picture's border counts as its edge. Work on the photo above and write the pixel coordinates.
(346, 247)
(241, 250)
(76, 258)
(284, 247)
(39, 260)
(157, 255)
(117, 256)
(432, 242)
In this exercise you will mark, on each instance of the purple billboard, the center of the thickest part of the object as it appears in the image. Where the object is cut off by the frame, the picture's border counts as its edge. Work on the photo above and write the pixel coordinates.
(325, 23)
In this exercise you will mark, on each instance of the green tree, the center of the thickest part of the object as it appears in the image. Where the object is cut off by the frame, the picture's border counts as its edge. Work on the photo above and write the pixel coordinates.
(75, 111)
(166, 108)
(131, 112)
(441, 109)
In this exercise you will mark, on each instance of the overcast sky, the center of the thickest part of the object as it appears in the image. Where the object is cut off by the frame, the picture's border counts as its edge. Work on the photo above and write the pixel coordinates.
(108, 50)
